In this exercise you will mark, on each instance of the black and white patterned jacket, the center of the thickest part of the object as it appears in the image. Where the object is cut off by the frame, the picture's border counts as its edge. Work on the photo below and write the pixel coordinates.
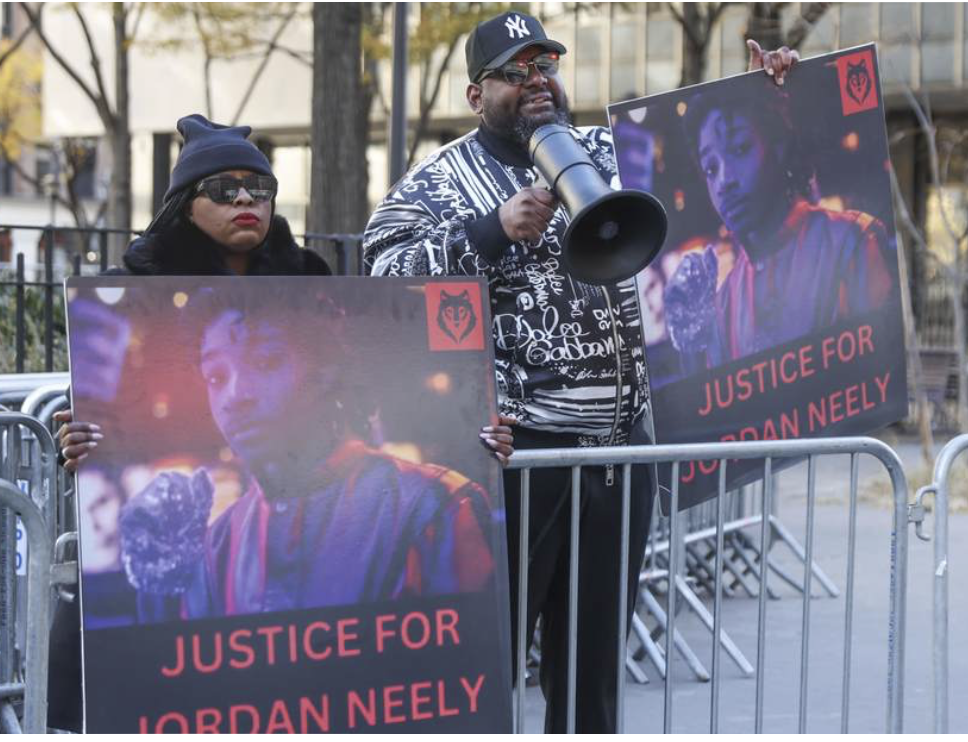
(569, 355)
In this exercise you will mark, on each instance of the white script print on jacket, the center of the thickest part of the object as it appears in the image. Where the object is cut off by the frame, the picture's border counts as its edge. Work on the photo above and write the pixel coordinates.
(569, 355)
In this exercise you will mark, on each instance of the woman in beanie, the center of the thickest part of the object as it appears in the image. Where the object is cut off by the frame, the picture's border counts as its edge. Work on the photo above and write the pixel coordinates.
(218, 218)
(218, 214)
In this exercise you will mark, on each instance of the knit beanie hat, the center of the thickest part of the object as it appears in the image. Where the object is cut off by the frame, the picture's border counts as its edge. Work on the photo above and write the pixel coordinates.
(213, 148)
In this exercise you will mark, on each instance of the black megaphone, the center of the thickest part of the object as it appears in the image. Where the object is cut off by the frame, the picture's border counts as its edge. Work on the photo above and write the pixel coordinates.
(613, 234)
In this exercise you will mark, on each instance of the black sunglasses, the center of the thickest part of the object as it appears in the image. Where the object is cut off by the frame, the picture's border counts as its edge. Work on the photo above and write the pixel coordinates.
(224, 189)
(516, 71)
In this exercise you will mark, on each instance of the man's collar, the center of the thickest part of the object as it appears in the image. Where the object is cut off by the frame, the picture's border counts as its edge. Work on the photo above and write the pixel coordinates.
(502, 148)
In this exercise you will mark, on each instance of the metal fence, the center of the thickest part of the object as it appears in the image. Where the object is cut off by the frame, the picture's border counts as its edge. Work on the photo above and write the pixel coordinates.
(724, 453)
(87, 253)
(698, 545)
(33, 489)
(939, 488)
(28, 491)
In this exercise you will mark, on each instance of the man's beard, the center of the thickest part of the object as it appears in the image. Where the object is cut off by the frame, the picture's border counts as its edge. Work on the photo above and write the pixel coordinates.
(518, 127)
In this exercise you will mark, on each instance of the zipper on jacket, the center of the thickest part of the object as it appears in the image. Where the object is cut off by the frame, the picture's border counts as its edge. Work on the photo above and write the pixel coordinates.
(610, 468)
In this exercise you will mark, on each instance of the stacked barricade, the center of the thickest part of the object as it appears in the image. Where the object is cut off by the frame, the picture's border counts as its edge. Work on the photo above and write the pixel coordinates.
(697, 547)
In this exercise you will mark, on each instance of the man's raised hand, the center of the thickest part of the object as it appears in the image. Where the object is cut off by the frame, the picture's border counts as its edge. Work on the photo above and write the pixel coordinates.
(526, 215)
(776, 63)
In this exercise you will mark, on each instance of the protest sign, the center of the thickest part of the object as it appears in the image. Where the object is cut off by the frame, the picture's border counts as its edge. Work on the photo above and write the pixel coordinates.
(290, 523)
(774, 310)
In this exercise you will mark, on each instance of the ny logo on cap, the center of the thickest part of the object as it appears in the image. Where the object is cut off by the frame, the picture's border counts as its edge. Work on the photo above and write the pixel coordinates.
(515, 25)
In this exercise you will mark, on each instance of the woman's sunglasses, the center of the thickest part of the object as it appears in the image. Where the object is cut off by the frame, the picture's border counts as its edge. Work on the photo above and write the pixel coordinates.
(224, 189)
(516, 71)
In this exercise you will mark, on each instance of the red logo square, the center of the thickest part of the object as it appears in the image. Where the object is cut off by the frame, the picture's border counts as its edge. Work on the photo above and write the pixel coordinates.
(858, 85)
(454, 316)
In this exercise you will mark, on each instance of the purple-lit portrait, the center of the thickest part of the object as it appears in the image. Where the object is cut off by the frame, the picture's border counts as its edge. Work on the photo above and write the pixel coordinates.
(262, 452)
(780, 232)
(291, 502)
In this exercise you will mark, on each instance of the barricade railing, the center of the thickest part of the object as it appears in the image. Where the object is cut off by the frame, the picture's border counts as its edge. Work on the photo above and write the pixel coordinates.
(33, 685)
(41, 575)
(698, 547)
(768, 451)
(939, 487)
(28, 491)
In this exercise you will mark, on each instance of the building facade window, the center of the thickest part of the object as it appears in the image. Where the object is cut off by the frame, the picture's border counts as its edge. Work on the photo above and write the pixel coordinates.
(588, 64)
(856, 23)
(6, 20)
(899, 38)
(622, 71)
(662, 65)
(733, 55)
(938, 42)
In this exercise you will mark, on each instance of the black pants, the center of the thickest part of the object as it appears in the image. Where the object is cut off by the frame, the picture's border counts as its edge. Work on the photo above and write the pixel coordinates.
(598, 575)
(64, 709)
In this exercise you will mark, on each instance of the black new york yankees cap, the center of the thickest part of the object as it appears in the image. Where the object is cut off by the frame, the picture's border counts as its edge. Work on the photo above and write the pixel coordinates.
(494, 42)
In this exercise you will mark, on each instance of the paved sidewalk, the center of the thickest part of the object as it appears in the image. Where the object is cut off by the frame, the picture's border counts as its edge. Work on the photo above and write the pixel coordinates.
(784, 619)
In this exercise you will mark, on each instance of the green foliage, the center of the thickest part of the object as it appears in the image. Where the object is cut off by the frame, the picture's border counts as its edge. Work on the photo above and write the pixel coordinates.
(20, 77)
(442, 24)
(223, 30)
(34, 326)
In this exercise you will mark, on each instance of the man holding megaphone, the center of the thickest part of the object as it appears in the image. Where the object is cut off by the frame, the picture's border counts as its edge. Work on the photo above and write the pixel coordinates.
(569, 355)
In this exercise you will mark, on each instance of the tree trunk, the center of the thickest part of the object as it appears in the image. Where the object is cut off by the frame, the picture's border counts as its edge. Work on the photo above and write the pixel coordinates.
(695, 43)
(119, 192)
(338, 201)
(763, 25)
(961, 338)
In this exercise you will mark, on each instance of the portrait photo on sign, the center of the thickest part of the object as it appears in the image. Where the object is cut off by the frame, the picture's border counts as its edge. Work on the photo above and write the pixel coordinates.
(283, 452)
(773, 310)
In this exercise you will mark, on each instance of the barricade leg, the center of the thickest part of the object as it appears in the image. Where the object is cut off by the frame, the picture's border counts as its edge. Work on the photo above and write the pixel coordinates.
(849, 609)
(38, 606)
(718, 601)
(9, 724)
(783, 533)
(942, 473)
(522, 617)
(694, 663)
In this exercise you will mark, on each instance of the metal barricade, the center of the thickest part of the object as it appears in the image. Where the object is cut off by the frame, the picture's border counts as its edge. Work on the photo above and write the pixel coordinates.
(15, 388)
(939, 488)
(34, 685)
(28, 490)
(724, 453)
(42, 403)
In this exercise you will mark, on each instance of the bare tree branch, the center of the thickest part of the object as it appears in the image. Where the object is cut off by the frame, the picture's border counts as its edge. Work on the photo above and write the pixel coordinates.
(305, 58)
(80, 218)
(955, 273)
(35, 22)
(16, 44)
(715, 12)
(427, 102)
(804, 24)
(92, 49)
(207, 64)
(265, 61)
(139, 14)
(686, 27)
